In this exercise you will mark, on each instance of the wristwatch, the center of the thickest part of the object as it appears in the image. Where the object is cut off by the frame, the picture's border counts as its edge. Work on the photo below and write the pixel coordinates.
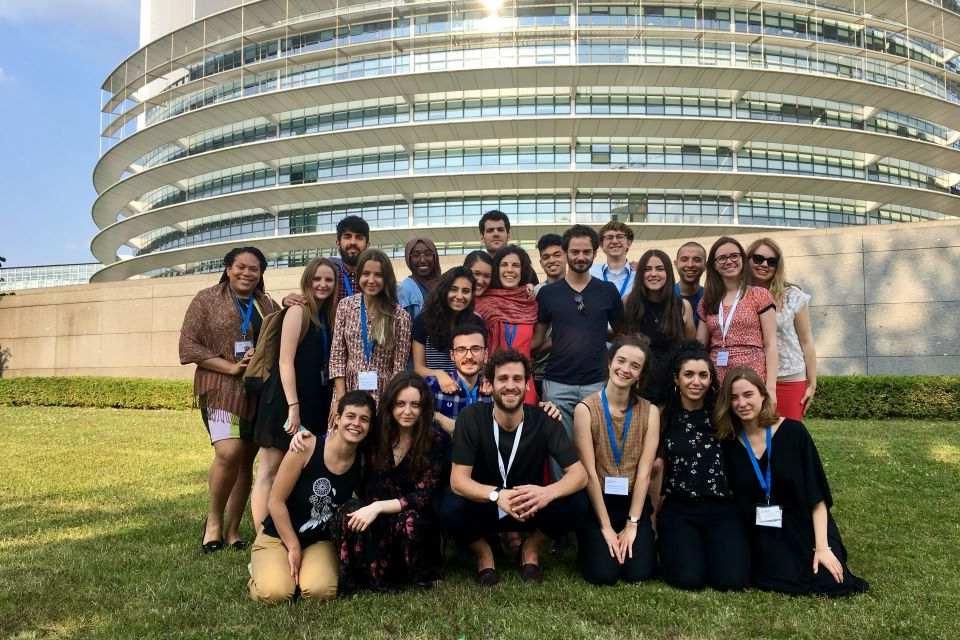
(494, 495)
(633, 520)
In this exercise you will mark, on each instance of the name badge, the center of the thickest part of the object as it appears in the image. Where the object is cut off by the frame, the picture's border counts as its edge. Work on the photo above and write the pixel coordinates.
(770, 516)
(367, 381)
(240, 348)
(501, 513)
(723, 358)
(616, 486)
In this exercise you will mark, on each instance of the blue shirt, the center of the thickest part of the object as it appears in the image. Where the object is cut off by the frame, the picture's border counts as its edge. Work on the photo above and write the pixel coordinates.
(451, 404)
(694, 301)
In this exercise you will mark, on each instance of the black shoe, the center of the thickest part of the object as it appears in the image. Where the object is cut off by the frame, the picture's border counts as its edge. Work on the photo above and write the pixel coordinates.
(211, 546)
(239, 545)
(530, 572)
(487, 577)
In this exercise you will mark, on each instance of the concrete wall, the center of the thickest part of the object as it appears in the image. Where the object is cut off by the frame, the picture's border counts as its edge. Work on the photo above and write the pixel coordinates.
(886, 299)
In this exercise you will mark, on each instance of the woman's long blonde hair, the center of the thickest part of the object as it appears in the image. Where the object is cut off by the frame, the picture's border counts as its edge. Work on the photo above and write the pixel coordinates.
(779, 284)
(328, 308)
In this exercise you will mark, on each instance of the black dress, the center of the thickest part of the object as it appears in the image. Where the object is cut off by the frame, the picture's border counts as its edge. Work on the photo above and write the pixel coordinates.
(314, 392)
(782, 559)
(398, 548)
(659, 382)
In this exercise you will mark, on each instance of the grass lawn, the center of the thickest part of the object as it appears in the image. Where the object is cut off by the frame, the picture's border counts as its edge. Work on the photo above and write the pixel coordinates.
(100, 516)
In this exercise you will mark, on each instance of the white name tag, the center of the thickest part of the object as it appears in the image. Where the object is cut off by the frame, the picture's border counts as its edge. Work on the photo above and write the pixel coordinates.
(501, 513)
(770, 516)
(240, 348)
(723, 358)
(367, 381)
(616, 486)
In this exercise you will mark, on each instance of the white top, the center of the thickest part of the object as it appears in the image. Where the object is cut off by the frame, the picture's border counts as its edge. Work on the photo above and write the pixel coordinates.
(618, 278)
(792, 366)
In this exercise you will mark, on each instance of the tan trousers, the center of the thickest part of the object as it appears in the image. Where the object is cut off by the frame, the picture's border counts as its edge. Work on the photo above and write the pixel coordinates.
(270, 579)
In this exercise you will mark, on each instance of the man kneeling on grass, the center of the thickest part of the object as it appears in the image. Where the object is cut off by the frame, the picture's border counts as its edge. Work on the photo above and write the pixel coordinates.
(293, 552)
(499, 457)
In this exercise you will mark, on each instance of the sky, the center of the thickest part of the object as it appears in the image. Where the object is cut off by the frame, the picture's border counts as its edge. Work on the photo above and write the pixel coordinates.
(54, 55)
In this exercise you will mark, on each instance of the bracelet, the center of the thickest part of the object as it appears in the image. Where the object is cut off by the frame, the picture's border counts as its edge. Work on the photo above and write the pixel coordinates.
(824, 549)
(293, 404)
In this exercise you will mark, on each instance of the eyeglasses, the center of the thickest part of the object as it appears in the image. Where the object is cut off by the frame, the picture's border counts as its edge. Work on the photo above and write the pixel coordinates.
(772, 261)
(581, 307)
(730, 257)
(615, 236)
(475, 350)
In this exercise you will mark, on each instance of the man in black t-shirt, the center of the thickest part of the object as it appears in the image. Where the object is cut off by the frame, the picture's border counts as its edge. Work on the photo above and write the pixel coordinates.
(499, 453)
(578, 310)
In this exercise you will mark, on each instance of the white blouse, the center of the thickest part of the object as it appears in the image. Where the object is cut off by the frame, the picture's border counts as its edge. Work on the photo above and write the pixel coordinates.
(792, 365)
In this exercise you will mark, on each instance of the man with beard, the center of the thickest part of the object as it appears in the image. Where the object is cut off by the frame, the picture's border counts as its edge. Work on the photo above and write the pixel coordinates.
(353, 236)
(497, 484)
(691, 262)
(468, 351)
(578, 310)
(495, 234)
(424, 264)
(615, 240)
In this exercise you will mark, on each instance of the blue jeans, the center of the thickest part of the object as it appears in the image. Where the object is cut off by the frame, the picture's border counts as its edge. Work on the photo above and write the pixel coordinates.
(566, 397)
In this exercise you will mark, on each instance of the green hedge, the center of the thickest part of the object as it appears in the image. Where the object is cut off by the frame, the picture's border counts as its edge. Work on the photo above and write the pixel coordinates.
(115, 393)
(839, 397)
(874, 397)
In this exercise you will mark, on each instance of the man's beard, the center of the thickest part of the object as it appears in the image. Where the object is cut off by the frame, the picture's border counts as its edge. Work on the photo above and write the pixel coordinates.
(348, 259)
(575, 267)
(498, 401)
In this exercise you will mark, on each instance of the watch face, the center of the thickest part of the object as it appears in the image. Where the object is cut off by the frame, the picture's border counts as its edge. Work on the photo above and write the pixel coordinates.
(493, 496)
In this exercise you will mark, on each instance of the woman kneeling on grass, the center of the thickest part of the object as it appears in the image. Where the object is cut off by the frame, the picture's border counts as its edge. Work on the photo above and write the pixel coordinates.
(779, 484)
(294, 549)
(390, 538)
(703, 542)
(616, 435)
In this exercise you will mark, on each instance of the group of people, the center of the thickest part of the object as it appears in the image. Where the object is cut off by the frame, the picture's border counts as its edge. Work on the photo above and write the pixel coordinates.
(474, 405)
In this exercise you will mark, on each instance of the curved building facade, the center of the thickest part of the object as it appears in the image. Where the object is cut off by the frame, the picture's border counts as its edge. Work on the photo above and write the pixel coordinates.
(268, 121)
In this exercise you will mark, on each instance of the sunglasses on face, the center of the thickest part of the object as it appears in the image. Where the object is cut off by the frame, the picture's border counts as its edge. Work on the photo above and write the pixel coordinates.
(581, 306)
(772, 261)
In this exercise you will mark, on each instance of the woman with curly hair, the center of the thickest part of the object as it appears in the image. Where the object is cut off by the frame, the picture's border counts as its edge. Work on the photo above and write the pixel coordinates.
(389, 537)
(702, 541)
(448, 306)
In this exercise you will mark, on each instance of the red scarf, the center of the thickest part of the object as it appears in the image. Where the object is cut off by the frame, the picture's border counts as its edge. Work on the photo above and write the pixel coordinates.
(497, 306)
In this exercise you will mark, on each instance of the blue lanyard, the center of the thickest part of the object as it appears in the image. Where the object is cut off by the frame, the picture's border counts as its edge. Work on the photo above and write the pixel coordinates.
(472, 394)
(509, 333)
(615, 447)
(364, 336)
(246, 315)
(626, 281)
(345, 279)
(765, 480)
